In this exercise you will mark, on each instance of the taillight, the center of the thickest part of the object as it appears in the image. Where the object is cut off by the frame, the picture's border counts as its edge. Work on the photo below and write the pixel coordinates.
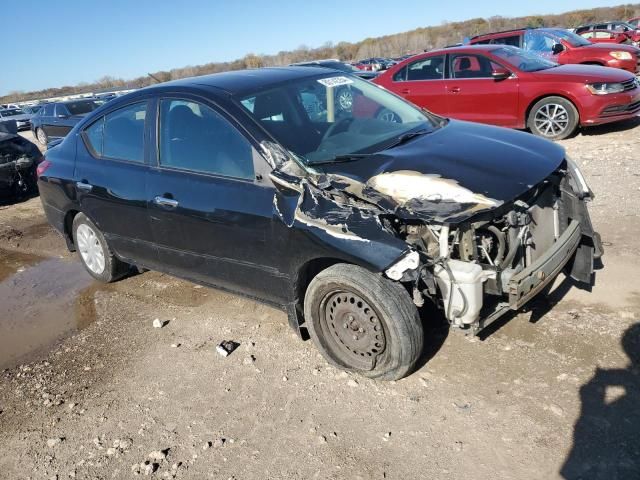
(42, 167)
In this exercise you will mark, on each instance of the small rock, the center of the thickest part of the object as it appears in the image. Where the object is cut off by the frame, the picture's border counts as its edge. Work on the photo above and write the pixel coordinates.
(158, 455)
(386, 436)
(52, 442)
(285, 378)
(175, 345)
(111, 451)
(322, 439)
(218, 442)
(250, 360)
(352, 383)
(157, 323)
(556, 410)
(206, 445)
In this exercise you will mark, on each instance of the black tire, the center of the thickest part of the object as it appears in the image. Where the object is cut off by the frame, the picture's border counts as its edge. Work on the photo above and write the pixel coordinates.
(113, 268)
(42, 137)
(563, 118)
(363, 322)
(387, 115)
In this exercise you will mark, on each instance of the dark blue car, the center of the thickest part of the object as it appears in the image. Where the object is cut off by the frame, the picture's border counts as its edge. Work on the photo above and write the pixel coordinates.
(55, 120)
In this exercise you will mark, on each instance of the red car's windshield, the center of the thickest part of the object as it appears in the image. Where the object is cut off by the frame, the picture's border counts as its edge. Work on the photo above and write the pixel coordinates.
(523, 60)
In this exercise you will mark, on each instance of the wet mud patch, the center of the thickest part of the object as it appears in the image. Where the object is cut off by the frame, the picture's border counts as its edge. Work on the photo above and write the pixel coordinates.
(43, 300)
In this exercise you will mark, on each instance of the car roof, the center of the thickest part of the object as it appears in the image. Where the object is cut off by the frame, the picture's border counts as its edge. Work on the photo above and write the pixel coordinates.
(241, 81)
(461, 48)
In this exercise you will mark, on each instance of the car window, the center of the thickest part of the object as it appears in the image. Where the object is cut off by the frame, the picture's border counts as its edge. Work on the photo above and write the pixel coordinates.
(94, 135)
(431, 68)
(83, 107)
(123, 133)
(539, 42)
(602, 34)
(61, 110)
(513, 40)
(471, 66)
(400, 75)
(48, 110)
(195, 137)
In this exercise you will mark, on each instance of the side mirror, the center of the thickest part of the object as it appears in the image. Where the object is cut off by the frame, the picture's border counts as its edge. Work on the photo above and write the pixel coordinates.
(557, 48)
(500, 74)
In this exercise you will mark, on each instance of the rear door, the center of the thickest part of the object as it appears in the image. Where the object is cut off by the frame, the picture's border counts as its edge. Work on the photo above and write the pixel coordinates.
(60, 123)
(474, 95)
(47, 118)
(110, 176)
(422, 83)
(211, 203)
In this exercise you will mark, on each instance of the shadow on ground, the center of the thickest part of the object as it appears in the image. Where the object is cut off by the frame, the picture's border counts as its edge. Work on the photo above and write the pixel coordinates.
(606, 436)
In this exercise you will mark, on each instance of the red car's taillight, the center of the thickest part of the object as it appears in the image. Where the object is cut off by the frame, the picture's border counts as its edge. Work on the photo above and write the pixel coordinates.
(42, 167)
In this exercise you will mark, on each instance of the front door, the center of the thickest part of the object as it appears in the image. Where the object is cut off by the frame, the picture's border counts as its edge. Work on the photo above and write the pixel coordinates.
(212, 219)
(474, 95)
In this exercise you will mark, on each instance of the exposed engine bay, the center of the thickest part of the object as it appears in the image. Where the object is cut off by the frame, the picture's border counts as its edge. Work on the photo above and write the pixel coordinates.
(18, 163)
(480, 269)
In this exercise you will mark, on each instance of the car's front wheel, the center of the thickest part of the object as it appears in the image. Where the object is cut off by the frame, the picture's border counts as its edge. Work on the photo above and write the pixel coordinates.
(555, 118)
(94, 252)
(363, 322)
(41, 136)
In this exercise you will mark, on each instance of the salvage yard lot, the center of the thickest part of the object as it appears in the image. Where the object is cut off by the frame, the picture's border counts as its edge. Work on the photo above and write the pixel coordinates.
(118, 393)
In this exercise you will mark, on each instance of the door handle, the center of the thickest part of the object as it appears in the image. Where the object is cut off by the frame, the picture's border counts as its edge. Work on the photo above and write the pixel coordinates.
(165, 202)
(455, 89)
(405, 91)
(84, 186)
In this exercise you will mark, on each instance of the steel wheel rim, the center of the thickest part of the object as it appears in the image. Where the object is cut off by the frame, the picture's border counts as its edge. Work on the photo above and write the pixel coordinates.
(345, 99)
(551, 119)
(90, 249)
(41, 136)
(355, 334)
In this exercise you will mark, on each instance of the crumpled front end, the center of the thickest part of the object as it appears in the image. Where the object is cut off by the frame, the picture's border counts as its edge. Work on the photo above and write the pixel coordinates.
(498, 260)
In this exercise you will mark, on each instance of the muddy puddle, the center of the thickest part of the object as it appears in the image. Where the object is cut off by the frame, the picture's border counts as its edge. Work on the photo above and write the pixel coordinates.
(41, 301)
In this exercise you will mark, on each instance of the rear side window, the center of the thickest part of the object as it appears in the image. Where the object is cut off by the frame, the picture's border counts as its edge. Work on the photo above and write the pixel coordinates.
(471, 66)
(194, 137)
(119, 135)
(431, 68)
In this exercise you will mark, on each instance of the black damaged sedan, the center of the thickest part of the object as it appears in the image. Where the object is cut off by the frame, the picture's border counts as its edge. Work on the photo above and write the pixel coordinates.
(351, 219)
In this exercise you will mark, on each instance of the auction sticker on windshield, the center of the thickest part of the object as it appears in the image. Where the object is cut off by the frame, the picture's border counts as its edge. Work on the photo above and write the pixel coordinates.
(335, 81)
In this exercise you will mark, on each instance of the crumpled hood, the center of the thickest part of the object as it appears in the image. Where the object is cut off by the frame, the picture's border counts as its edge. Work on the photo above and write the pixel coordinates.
(451, 174)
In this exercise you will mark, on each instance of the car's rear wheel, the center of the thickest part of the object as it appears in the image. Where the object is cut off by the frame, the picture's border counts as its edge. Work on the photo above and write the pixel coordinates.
(94, 251)
(41, 136)
(555, 118)
(363, 322)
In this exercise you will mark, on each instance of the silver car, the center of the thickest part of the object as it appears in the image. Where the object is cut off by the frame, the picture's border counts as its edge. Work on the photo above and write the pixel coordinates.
(22, 119)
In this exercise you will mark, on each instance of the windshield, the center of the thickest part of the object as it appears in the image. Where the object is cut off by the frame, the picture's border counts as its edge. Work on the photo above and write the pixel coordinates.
(523, 60)
(572, 38)
(11, 113)
(320, 118)
(81, 108)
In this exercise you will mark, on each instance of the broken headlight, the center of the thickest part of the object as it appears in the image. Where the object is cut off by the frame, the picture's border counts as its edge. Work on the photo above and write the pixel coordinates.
(579, 183)
(409, 262)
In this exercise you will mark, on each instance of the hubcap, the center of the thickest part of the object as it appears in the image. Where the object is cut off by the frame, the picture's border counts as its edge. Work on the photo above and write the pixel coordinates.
(551, 119)
(41, 136)
(355, 331)
(345, 99)
(90, 249)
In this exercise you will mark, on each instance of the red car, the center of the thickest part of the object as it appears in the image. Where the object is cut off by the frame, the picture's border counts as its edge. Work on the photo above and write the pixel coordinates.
(510, 87)
(634, 22)
(605, 36)
(628, 32)
(564, 47)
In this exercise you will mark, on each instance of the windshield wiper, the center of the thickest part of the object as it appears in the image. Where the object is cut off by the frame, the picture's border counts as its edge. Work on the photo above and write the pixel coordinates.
(405, 137)
(347, 157)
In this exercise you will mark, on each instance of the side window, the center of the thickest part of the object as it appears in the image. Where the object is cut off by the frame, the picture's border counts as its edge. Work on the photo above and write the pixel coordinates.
(94, 135)
(431, 68)
(471, 66)
(48, 110)
(514, 41)
(61, 110)
(539, 42)
(400, 75)
(123, 133)
(195, 137)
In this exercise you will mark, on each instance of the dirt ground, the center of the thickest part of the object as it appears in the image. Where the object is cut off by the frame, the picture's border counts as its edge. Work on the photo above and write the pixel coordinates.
(92, 390)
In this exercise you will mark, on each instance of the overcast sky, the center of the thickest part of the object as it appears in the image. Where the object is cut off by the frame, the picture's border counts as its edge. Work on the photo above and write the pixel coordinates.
(55, 43)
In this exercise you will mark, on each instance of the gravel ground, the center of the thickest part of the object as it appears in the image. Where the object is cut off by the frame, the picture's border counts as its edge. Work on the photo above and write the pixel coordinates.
(551, 392)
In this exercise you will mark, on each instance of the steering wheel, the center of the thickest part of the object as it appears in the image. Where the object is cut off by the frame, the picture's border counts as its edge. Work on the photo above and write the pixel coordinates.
(334, 127)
